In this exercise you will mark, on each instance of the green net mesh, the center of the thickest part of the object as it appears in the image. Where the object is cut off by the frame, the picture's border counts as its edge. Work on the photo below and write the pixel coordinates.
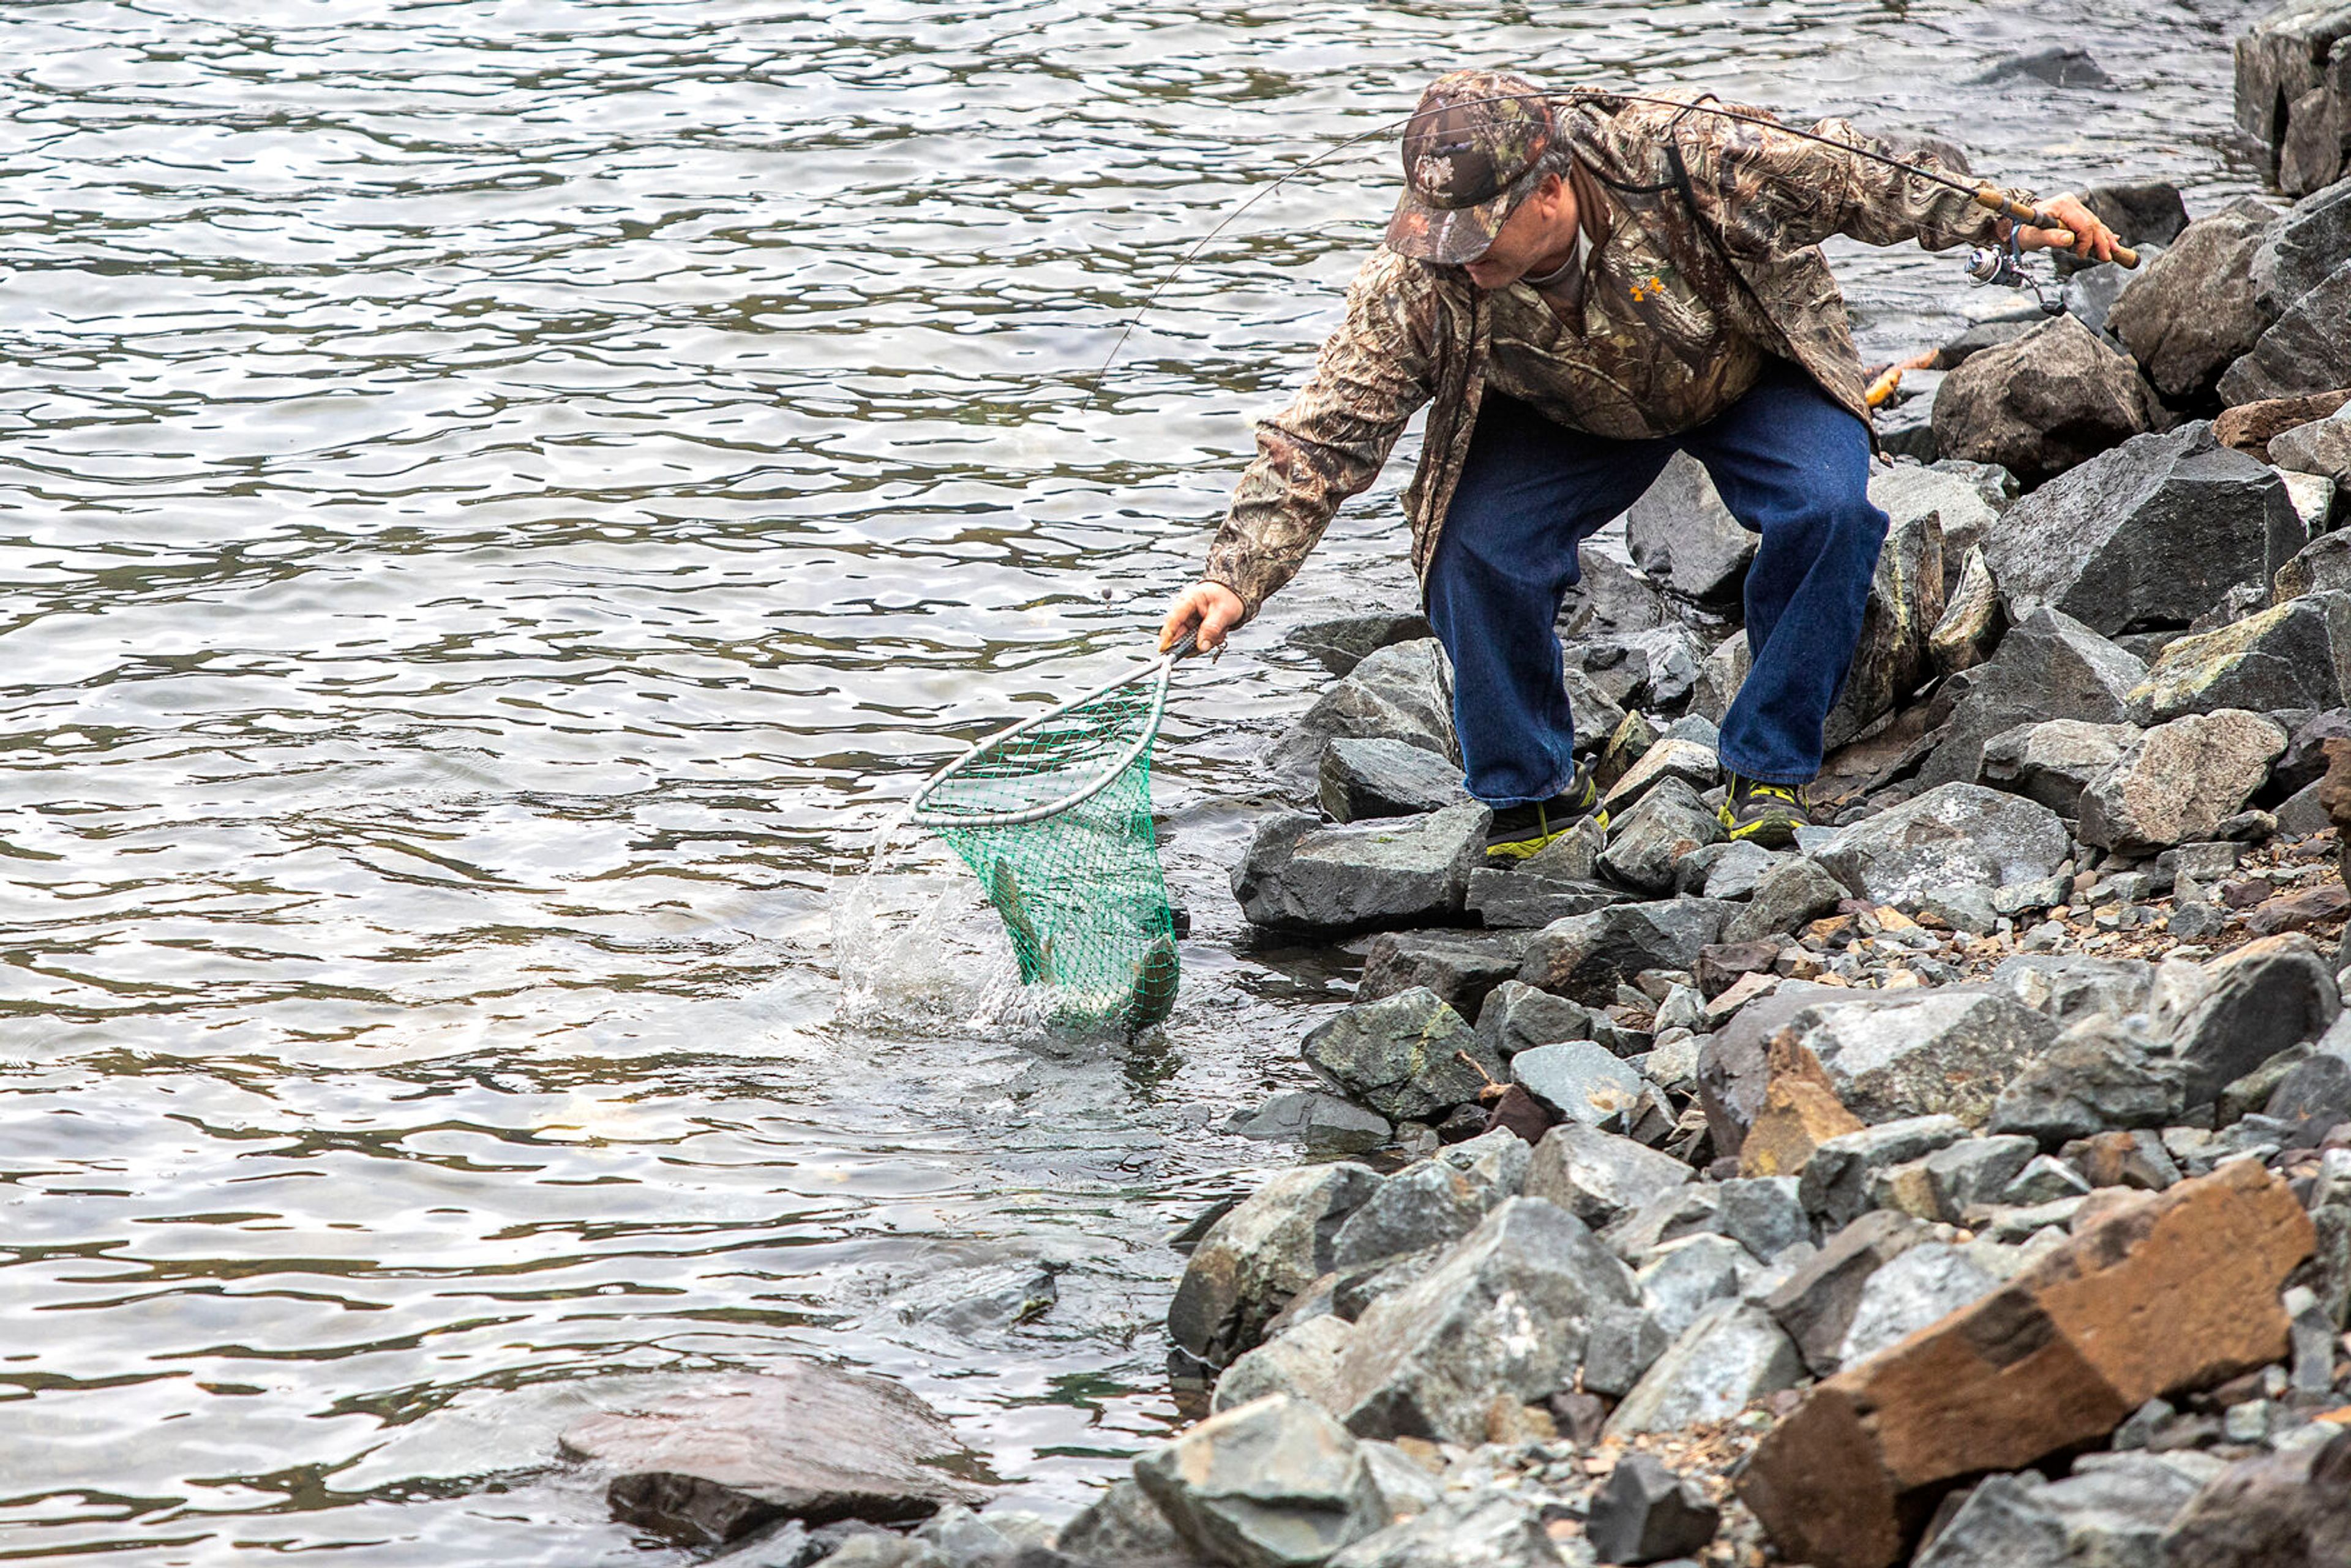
(1079, 886)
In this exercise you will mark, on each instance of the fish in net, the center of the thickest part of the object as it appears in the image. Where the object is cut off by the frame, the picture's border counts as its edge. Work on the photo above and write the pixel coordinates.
(1053, 816)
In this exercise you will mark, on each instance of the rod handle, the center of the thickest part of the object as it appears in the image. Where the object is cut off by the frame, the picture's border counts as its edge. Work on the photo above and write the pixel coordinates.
(2034, 217)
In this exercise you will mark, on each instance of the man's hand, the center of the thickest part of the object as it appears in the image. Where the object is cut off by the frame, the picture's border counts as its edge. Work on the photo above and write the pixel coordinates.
(2093, 240)
(1211, 607)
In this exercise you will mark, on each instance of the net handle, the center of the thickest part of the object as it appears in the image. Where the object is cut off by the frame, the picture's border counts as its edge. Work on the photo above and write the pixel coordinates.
(1156, 670)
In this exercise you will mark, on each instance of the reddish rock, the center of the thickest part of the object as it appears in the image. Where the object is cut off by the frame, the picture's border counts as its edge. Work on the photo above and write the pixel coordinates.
(1523, 1113)
(1801, 1112)
(1720, 964)
(2248, 427)
(2167, 1294)
(2293, 911)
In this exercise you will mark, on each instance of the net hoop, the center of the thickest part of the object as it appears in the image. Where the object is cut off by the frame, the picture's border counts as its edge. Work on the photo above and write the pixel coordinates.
(926, 815)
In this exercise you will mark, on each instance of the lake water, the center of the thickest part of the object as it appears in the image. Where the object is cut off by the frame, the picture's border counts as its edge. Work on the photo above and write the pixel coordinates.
(505, 499)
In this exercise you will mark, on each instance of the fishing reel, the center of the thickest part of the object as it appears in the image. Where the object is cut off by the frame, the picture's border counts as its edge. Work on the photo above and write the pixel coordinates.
(2002, 267)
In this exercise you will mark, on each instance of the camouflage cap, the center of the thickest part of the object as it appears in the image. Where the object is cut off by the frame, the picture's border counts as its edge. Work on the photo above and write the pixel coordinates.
(1469, 151)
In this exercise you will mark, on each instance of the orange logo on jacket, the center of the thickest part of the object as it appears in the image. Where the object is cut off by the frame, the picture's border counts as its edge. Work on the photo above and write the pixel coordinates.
(1653, 288)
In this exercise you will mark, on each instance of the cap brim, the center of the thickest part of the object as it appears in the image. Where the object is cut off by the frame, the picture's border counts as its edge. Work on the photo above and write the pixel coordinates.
(1449, 237)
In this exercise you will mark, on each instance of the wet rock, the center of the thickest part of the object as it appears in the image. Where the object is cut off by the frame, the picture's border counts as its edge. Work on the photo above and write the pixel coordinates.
(1431, 1204)
(1276, 1483)
(1733, 1354)
(2265, 996)
(1905, 603)
(2181, 780)
(1360, 778)
(2292, 656)
(1323, 1122)
(1973, 618)
(2051, 399)
(1302, 1363)
(1921, 1287)
(1764, 1215)
(1957, 835)
(1504, 1313)
(1816, 1305)
(2052, 762)
(2149, 533)
(1461, 966)
(1517, 1016)
(2098, 1075)
(1600, 1177)
(1396, 872)
(1795, 890)
(1582, 1082)
(2057, 66)
(1123, 1527)
(1342, 643)
(1479, 1530)
(2192, 310)
(799, 1440)
(1836, 1182)
(1523, 900)
(2306, 352)
(1264, 1251)
(1648, 843)
(1646, 1512)
(2049, 667)
(2168, 1291)
(2114, 1514)
(1682, 534)
(1404, 691)
(2273, 1511)
(1586, 957)
(1402, 1056)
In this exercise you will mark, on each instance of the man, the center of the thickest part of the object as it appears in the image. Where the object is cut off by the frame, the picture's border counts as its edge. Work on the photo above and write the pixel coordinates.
(1579, 287)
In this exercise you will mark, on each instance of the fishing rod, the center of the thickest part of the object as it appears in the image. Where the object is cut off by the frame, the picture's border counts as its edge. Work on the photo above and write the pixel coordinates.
(1998, 265)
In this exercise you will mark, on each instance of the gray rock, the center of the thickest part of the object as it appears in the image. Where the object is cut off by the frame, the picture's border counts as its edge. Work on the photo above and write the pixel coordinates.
(2148, 534)
(1402, 1055)
(1582, 1082)
(1522, 900)
(2045, 1179)
(1479, 1530)
(1685, 1276)
(1906, 598)
(2273, 1511)
(1691, 762)
(1264, 1251)
(2301, 248)
(1620, 1344)
(1668, 1217)
(1613, 599)
(1517, 1016)
(1732, 870)
(1647, 842)
(1732, 1355)
(1426, 1205)
(1973, 1171)
(2292, 657)
(2070, 987)
(1732, 1061)
(2091, 293)
(1974, 615)
(1835, 1188)
(1586, 957)
(2053, 761)
(1505, 1312)
(1764, 1214)
(1461, 966)
(1953, 498)
(2059, 65)
(883, 1550)
(2265, 997)
(1275, 1483)
(1646, 1512)
(2193, 310)
(1123, 1527)
(2041, 405)
(1594, 712)
(2323, 446)
(1342, 643)
(1682, 534)
(1353, 1290)
(1301, 1362)
(1794, 890)
(1939, 1051)
(2113, 1516)
(1323, 1122)
(1361, 777)
(1719, 678)
(1816, 1303)
(2306, 352)
(2049, 667)
(1923, 1285)
(2181, 780)
(1396, 872)
(1571, 856)
(1599, 1176)
(961, 1536)
(1957, 835)
(1404, 691)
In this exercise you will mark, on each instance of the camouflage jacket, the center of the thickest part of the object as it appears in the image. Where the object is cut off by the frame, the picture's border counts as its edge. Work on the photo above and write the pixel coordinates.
(1418, 333)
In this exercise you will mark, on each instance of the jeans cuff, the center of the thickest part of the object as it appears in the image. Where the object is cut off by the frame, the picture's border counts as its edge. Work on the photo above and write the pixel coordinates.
(1766, 776)
(1558, 788)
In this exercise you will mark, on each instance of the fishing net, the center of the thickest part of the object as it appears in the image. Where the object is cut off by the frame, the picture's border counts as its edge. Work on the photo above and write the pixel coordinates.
(1053, 816)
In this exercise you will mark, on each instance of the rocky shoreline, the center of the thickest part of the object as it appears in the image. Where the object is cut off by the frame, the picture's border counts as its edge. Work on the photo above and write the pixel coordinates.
(1968, 1186)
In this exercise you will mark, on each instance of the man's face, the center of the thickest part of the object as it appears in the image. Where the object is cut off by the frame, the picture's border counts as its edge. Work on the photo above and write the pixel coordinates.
(1536, 237)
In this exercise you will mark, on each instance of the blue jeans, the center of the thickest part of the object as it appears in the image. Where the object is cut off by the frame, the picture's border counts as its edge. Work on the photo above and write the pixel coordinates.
(1790, 463)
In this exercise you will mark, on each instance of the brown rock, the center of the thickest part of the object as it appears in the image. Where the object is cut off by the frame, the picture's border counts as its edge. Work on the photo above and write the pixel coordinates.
(2248, 427)
(1719, 965)
(2293, 911)
(1801, 1112)
(2171, 1293)
(1523, 1113)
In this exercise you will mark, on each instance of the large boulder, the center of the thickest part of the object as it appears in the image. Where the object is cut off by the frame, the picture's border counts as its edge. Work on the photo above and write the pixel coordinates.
(1732, 1354)
(1377, 777)
(2192, 311)
(1260, 1254)
(1460, 967)
(1906, 595)
(1939, 1051)
(2180, 781)
(2291, 89)
(2296, 655)
(2173, 1291)
(2098, 1075)
(2306, 352)
(2053, 398)
(1955, 836)
(2147, 535)
(1433, 1204)
(1586, 957)
(2264, 998)
(1275, 1483)
(1401, 692)
(1345, 642)
(1504, 1313)
(2050, 667)
(2310, 242)
(1403, 1055)
(1682, 534)
(1394, 871)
